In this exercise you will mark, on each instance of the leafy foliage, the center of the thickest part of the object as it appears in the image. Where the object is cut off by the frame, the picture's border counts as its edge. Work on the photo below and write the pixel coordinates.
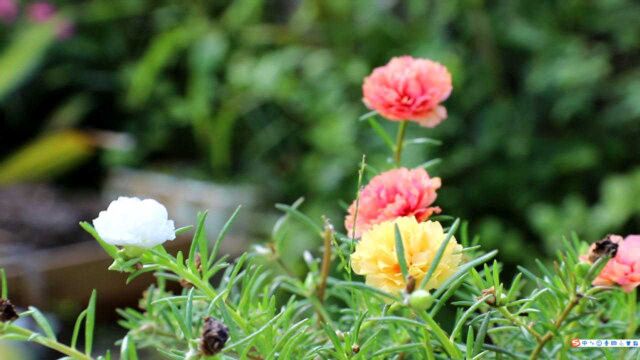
(272, 314)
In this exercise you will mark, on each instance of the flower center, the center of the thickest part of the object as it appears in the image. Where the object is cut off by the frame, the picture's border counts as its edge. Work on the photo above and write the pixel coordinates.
(406, 100)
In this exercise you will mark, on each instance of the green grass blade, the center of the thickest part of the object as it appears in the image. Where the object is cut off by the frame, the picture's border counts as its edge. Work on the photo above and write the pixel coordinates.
(463, 269)
(90, 323)
(198, 242)
(380, 131)
(439, 253)
(128, 349)
(301, 217)
(400, 253)
(368, 115)
(5, 286)
(110, 249)
(482, 333)
(76, 328)
(221, 235)
(42, 322)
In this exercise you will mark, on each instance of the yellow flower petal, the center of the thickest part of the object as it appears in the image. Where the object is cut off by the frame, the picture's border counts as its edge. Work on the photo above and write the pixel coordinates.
(375, 254)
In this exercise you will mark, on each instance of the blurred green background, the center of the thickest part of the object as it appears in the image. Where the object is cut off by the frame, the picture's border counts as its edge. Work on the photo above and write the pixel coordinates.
(542, 136)
(541, 140)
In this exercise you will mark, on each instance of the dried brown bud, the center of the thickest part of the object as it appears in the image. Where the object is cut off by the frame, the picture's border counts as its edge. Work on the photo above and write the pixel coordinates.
(605, 247)
(198, 262)
(7, 311)
(214, 335)
(355, 348)
(491, 300)
(411, 284)
(185, 284)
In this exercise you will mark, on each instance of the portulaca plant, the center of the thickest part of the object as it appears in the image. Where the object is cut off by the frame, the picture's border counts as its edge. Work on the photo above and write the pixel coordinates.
(402, 281)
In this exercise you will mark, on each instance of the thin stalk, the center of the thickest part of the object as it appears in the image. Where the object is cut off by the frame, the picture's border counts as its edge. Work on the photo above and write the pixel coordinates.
(194, 279)
(575, 299)
(326, 260)
(518, 322)
(440, 335)
(402, 129)
(46, 342)
(633, 322)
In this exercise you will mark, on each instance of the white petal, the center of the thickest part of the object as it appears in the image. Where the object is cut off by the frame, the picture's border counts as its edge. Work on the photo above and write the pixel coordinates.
(134, 222)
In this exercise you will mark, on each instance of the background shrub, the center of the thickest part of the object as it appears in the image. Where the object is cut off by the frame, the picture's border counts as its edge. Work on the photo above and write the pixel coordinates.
(544, 119)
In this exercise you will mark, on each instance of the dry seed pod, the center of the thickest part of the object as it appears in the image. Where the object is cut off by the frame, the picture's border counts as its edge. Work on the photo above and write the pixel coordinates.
(214, 335)
(7, 311)
(605, 247)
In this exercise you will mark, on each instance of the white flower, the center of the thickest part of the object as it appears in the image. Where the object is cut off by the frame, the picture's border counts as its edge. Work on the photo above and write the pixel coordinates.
(134, 222)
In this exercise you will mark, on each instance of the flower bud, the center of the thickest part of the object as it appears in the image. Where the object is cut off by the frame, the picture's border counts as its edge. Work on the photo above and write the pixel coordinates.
(420, 299)
(214, 335)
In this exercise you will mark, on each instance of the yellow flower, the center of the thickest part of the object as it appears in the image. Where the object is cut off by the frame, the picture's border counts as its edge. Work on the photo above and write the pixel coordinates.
(375, 255)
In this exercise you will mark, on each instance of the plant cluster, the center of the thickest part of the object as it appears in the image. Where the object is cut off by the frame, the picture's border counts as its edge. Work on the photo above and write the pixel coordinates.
(378, 292)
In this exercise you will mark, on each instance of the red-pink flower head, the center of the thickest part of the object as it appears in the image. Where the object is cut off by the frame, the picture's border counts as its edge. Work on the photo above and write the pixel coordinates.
(624, 268)
(8, 11)
(409, 89)
(392, 194)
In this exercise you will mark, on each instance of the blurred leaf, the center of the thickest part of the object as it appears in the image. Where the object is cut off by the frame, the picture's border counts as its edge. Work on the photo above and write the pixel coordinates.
(46, 157)
(23, 55)
(164, 48)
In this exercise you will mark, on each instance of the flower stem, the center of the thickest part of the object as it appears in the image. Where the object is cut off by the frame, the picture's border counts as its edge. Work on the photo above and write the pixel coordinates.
(633, 323)
(326, 260)
(440, 335)
(45, 341)
(575, 299)
(402, 129)
(202, 285)
(518, 322)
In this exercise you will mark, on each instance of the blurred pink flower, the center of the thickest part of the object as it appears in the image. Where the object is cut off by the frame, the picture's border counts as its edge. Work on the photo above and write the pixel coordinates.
(624, 268)
(41, 11)
(65, 29)
(8, 11)
(409, 89)
(392, 194)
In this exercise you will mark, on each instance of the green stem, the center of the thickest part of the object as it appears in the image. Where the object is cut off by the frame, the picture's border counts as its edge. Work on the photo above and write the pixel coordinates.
(402, 129)
(441, 335)
(633, 323)
(194, 279)
(46, 342)
(326, 260)
(518, 322)
(575, 300)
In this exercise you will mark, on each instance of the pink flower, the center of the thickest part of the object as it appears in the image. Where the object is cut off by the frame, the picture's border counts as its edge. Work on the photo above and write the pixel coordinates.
(392, 194)
(409, 89)
(41, 11)
(624, 268)
(8, 11)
